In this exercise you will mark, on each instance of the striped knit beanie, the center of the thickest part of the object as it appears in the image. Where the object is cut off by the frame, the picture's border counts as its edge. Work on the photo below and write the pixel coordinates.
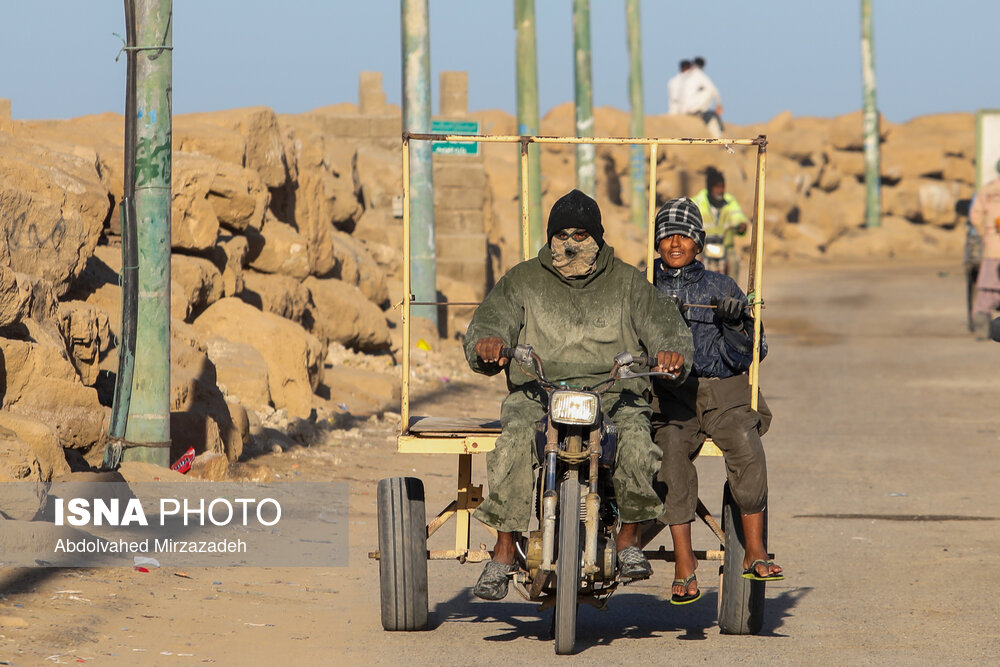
(680, 216)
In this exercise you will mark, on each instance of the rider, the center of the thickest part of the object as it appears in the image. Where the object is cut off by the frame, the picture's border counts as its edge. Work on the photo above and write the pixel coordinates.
(722, 215)
(713, 402)
(578, 306)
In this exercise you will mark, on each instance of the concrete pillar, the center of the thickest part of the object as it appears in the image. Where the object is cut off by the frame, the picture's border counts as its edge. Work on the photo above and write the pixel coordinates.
(453, 90)
(371, 97)
(5, 118)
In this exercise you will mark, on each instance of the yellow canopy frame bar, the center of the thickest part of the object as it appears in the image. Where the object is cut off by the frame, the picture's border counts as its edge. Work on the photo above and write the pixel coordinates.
(462, 442)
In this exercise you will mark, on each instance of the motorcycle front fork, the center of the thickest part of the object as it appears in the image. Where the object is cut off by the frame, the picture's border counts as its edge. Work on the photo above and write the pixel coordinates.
(592, 501)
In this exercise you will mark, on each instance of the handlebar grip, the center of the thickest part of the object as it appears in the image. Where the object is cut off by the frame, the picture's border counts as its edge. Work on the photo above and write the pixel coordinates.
(646, 361)
(507, 352)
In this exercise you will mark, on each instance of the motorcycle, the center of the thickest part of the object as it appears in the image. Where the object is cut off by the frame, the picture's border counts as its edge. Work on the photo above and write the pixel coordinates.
(716, 254)
(572, 557)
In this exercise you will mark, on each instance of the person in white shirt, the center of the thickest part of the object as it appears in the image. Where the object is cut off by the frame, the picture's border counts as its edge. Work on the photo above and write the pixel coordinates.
(674, 87)
(701, 97)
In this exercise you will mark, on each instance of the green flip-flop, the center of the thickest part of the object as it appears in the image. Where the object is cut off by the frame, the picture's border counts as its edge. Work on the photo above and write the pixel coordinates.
(751, 572)
(687, 598)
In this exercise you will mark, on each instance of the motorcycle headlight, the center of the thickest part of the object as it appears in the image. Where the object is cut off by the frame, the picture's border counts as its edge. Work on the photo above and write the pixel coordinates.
(574, 407)
(715, 250)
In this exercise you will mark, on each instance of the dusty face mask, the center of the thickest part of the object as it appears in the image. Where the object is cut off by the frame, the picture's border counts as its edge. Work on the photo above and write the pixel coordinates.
(574, 259)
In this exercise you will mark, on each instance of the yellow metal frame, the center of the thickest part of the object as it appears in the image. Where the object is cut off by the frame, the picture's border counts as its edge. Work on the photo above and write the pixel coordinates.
(468, 496)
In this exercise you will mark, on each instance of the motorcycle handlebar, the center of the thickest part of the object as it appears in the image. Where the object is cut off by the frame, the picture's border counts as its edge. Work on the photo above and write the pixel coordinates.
(646, 361)
(507, 352)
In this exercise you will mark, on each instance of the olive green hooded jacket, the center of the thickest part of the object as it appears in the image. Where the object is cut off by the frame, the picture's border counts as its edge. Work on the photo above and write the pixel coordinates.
(578, 325)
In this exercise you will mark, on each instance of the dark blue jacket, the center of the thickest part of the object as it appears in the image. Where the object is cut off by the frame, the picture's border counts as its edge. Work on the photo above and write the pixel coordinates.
(719, 351)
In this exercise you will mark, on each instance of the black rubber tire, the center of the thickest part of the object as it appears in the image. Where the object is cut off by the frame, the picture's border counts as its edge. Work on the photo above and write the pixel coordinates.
(741, 601)
(567, 565)
(402, 543)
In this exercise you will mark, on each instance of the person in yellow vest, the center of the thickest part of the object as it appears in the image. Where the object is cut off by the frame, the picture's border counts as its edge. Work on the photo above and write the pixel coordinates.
(722, 215)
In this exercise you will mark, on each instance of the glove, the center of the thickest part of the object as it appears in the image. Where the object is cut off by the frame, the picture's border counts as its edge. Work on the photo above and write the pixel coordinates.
(730, 310)
(677, 301)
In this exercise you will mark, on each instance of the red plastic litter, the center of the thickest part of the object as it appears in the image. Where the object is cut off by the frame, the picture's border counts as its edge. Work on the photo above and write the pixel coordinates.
(183, 464)
(138, 568)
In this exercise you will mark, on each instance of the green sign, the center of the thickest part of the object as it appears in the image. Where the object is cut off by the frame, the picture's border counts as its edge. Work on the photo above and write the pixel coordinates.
(455, 127)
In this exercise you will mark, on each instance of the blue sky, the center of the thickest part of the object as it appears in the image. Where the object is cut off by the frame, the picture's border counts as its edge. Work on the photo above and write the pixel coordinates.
(295, 55)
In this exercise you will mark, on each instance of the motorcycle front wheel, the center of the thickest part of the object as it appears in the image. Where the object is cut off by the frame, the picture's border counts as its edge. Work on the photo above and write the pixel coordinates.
(567, 564)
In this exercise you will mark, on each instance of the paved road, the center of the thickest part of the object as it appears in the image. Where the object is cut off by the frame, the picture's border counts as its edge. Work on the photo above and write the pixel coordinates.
(884, 507)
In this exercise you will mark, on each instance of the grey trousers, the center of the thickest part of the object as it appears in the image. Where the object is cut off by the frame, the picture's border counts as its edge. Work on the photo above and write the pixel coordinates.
(710, 408)
(510, 466)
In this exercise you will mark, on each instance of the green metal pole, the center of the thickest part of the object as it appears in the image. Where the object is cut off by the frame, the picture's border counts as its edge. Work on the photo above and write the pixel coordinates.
(871, 129)
(637, 127)
(527, 114)
(417, 118)
(149, 409)
(585, 178)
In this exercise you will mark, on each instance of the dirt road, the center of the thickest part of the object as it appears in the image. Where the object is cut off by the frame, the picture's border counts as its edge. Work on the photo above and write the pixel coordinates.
(883, 460)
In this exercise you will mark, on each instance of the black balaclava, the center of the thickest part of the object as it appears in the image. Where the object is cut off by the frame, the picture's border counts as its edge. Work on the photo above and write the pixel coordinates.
(576, 210)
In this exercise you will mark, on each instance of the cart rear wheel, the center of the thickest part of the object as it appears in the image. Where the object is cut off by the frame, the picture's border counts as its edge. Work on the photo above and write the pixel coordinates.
(402, 543)
(741, 601)
(567, 565)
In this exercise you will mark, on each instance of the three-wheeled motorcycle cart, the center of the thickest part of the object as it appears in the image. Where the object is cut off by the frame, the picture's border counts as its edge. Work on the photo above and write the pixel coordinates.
(402, 525)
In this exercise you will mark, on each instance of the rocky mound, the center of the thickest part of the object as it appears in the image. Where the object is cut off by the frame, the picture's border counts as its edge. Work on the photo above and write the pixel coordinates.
(283, 229)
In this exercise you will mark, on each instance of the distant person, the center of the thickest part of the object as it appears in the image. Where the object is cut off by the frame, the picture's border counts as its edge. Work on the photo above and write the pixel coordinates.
(702, 99)
(713, 402)
(674, 87)
(722, 216)
(985, 217)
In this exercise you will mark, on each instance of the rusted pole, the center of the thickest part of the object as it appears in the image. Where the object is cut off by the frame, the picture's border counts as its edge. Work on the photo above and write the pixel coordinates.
(527, 117)
(637, 126)
(585, 175)
(148, 428)
(871, 125)
(417, 118)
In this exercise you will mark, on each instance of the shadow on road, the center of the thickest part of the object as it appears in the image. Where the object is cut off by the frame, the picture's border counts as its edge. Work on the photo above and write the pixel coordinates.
(629, 616)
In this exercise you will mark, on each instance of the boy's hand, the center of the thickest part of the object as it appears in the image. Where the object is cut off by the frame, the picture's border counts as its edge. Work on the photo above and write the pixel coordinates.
(677, 301)
(730, 310)
(670, 362)
(488, 350)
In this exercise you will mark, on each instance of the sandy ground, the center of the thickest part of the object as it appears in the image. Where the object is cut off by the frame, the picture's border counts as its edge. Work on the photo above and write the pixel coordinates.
(884, 512)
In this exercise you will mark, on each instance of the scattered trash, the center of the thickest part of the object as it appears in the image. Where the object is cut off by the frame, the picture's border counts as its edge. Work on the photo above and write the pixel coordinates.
(216, 583)
(896, 494)
(140, 569)
(183, 464)
(444, 379)
(343, 406)
(146, 560)
(260, 625)
(183, 574)
(424, 345)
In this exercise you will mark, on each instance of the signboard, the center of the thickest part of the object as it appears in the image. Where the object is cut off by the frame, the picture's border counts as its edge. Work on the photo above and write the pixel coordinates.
(455, 127)
(987, 145)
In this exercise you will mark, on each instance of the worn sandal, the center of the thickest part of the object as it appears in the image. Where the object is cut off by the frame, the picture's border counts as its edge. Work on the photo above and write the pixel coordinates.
(687, 598)
(632, 564)
(751, 572)
(493, 582)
